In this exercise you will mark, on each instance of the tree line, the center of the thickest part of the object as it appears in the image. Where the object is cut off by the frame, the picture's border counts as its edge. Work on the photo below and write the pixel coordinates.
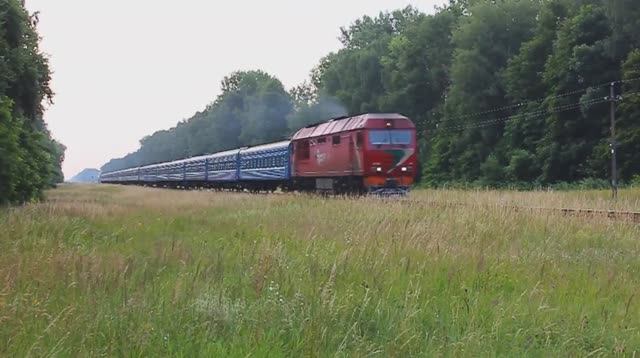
(254, 108)
(502, 91)
(30, 160)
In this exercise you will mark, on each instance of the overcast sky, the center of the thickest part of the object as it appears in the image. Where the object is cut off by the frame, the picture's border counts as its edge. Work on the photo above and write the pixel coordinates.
(123, 69)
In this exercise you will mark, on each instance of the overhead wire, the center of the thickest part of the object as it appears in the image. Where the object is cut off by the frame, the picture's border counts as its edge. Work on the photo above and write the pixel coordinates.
(533, 114)
(524, 103)
(525, 115)
(542, 99)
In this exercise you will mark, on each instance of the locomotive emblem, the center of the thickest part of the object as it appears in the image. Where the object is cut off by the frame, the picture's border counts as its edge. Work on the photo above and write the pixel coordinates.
(321, 157)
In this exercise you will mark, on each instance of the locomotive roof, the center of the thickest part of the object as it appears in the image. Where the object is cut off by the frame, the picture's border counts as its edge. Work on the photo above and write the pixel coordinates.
(345, 124)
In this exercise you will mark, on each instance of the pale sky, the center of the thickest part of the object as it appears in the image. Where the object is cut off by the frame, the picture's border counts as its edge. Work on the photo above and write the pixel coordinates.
(123, 69)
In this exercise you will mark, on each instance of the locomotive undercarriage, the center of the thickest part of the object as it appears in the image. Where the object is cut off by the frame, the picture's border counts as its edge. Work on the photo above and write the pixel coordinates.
(349, 185)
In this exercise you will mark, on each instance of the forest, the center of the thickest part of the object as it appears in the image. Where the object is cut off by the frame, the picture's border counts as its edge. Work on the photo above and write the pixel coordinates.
(502, 92)
(30, 160)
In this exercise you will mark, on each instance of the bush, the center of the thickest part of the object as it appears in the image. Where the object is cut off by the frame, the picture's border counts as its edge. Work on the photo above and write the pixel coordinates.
(492, 172)
(522, 166)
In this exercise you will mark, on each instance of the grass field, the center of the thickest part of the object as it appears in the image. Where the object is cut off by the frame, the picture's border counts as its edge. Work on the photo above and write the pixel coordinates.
(126, 271)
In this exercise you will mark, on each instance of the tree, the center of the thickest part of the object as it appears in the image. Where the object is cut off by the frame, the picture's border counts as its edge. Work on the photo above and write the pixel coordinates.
(484, 41)
(524, 86)
(367, 31)
(629, 117)
(416, 71)
(11, 156)
(29, 158)
(354, 75)
(416, 67)
(580, 60)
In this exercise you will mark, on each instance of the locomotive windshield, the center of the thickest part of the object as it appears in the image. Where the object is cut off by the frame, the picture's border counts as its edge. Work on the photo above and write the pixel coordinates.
(393, 136)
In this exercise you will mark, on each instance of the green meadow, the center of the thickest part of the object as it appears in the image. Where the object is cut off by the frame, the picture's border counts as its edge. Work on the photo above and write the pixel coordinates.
(129, 271)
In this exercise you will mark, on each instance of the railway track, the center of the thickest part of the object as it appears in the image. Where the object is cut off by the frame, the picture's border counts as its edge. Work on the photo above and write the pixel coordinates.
(616, 215)
(629, 216)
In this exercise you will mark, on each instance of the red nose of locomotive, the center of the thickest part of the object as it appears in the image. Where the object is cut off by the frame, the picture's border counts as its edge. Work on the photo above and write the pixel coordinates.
(391, 155)
(389, 173)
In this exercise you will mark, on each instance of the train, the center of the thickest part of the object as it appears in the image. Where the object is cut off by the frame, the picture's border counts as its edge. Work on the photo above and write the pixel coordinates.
(372, 153)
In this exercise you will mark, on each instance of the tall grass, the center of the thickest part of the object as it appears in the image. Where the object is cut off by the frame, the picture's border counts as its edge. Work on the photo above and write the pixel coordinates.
(106, 270)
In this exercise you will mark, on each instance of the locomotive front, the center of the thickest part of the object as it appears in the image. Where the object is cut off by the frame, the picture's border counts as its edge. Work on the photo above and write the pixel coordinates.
(373, 152)
(390, 155)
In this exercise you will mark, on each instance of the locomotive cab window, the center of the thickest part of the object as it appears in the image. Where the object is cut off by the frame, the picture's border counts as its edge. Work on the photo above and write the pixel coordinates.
(335, 140)
(322, 140)
(398, 137)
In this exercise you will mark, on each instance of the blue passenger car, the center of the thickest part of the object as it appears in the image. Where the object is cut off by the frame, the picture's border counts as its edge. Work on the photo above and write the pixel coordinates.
(150, 173)
(264, 167)
(193, 169)
(120, 176)
(171, 172)
(269, 162)
(223, 166)
(130, 175)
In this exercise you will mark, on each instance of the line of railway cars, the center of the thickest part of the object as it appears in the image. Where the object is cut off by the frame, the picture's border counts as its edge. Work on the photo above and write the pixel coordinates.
(374, 153)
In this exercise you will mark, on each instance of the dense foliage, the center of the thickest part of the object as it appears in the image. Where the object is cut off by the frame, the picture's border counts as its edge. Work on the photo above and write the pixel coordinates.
(29, 159)
(507, 91)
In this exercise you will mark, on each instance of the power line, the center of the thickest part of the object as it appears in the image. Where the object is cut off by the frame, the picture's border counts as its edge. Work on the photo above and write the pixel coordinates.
(626, 95)
(533, 114)
(524, 103)
(530, 114)
(540, 100)
(630, 79)
(525, 115)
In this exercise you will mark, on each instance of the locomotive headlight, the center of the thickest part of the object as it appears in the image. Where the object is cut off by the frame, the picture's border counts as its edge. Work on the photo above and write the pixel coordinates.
(404, 169)
(378, 169)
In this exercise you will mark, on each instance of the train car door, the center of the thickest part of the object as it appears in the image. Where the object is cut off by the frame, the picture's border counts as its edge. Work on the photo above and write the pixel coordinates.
(355, 153)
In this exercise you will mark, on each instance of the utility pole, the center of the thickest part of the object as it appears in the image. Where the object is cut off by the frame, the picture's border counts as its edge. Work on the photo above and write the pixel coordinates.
(613, 143)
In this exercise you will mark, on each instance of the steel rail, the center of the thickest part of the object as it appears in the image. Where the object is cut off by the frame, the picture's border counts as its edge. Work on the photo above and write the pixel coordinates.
(630, 216)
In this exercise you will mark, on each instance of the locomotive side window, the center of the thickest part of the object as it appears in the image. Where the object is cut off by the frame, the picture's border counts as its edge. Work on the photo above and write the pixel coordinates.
(322, 140)
(303, 150)
(335, 140)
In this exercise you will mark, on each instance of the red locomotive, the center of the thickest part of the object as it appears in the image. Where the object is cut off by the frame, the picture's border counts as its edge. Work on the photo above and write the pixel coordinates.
(367, 153)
